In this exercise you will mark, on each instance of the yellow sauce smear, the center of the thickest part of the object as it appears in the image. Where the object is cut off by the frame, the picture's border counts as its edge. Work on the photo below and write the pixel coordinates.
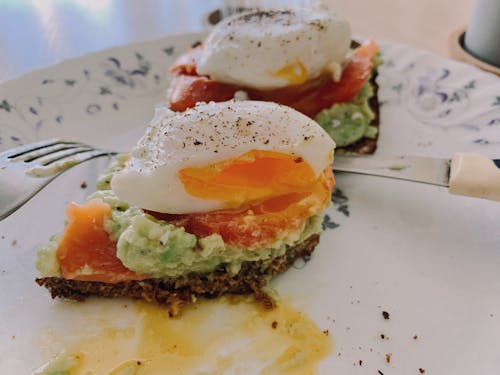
(211, 337)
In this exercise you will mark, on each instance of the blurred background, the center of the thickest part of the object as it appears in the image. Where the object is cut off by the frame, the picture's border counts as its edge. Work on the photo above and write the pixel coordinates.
(38, 33)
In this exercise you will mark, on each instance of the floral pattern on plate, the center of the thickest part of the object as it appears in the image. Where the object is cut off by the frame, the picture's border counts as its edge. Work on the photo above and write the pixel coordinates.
(427, 257)
(446, 94)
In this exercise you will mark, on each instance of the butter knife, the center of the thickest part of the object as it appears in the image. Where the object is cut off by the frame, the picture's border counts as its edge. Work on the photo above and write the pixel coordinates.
(469, 174)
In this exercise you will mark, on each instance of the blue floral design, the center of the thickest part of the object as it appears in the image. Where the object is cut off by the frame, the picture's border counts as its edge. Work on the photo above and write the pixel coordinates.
(435, 95)
(442, 96)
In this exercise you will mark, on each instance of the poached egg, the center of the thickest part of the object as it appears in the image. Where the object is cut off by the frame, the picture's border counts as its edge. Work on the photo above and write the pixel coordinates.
(269, 49)
(224, 155)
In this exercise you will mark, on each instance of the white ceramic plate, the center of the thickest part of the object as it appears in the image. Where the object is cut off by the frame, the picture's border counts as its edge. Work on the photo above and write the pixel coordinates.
(430, 259)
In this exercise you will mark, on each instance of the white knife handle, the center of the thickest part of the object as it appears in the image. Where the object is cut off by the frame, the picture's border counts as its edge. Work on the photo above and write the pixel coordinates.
(474, 175)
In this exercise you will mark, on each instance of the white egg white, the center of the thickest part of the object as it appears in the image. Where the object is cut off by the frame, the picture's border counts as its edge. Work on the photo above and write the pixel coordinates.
(249, 49)
(207, 134)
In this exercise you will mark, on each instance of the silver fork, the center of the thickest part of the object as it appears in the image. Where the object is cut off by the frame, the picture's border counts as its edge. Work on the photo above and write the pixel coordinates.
(27, 169)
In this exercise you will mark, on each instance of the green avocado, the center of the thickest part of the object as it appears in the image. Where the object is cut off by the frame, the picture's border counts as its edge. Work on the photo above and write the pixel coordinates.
(46, 262)
(104, 180)
(155, 248)
(347, 123)
(63, 364)
(158, 249)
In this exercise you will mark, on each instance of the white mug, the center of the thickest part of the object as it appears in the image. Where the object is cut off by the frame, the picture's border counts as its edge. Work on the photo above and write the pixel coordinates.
(482, 38)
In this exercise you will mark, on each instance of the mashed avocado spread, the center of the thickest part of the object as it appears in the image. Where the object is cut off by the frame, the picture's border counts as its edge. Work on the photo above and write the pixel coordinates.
(156, 248)
(347, 123)
(63, 364)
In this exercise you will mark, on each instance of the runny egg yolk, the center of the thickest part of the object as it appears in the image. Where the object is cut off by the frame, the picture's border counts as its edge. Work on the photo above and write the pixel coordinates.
(294, 74)
(254, 177)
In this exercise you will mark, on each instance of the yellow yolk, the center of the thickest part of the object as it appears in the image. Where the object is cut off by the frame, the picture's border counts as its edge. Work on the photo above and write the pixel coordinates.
(204, 159)
(294, 74)
(214, 337)
(253, 177)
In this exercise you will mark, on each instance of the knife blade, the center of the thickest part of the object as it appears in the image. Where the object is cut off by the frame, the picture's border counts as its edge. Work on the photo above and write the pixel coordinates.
(468, 174)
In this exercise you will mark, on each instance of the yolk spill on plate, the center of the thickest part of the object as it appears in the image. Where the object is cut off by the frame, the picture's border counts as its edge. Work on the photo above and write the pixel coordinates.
(210, 337)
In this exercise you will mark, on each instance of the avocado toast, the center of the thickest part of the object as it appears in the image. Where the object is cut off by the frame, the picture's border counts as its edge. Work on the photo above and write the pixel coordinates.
(303, 59)
(187, 216)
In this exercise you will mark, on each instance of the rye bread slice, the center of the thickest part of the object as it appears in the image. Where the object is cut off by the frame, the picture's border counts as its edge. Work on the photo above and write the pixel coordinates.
(176, 292)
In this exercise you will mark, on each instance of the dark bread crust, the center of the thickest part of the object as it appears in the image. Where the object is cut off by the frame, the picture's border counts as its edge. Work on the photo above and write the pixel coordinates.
(175, 292)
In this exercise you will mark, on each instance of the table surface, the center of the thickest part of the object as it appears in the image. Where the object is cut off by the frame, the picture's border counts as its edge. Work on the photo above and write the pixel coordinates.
(39, 33)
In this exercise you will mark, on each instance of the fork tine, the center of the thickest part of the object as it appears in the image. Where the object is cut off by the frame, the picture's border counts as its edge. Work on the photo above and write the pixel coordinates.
(43, 160)
(32, 155)
(63, 154)
(62, 163)
(14, 152)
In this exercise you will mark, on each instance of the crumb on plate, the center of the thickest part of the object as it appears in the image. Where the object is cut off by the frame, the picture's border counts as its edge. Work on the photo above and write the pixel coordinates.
(388, 357)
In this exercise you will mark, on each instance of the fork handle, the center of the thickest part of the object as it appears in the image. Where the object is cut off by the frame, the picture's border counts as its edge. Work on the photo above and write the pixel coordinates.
(474, 175)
